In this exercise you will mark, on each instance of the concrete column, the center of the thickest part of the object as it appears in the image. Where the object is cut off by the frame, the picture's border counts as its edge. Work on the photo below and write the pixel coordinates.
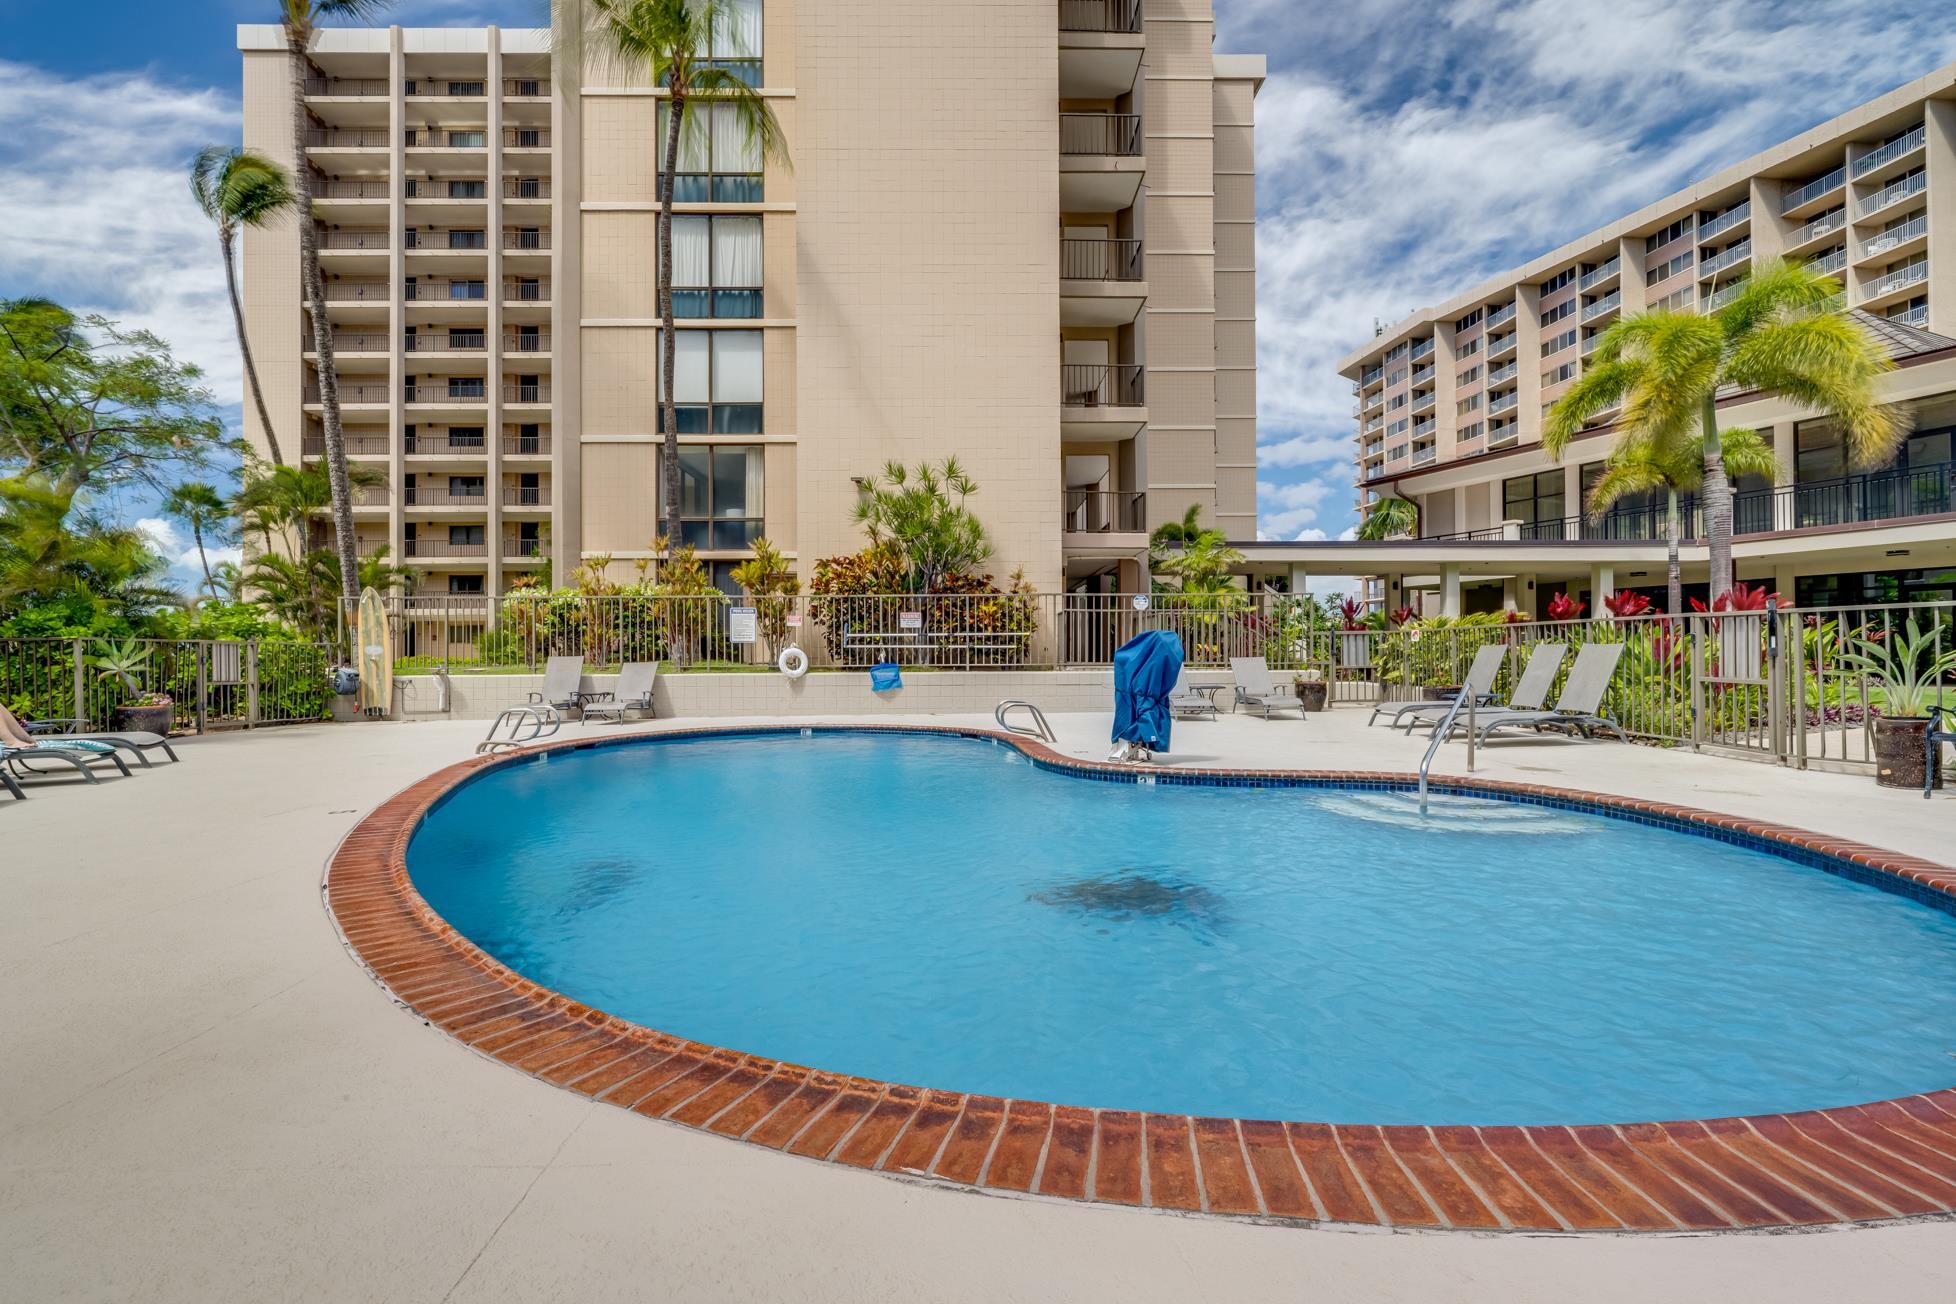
(1602, 584)
(1572, 497)
(492, 432)
(1450, 589)
(396, 300)
(1785, 456)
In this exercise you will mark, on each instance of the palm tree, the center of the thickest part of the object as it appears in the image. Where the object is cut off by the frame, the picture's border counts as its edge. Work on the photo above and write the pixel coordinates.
(1388, 518)
(1783, 333)
(236, 188)
(301, 19)
(1178, 534)
(208, 515)
(670, 41)
(1638, 468)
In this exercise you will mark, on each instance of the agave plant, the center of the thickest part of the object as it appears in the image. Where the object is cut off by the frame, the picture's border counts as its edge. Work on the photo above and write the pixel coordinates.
(127, 662)
(1909, 666)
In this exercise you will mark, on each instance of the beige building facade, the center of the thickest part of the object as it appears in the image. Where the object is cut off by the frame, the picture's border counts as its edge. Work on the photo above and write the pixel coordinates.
(1020, 234)
(1450, 401)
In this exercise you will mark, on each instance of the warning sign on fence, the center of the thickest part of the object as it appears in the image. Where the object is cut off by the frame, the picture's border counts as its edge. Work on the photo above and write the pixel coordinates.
(910, 620)
(741, 622)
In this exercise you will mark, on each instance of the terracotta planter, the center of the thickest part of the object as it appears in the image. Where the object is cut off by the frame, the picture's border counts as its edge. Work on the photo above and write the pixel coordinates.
(1901, 752)
(1312, 694)
(143, 719)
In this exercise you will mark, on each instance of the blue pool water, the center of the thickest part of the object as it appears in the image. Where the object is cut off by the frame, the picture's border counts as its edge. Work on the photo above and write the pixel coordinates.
(935, 910)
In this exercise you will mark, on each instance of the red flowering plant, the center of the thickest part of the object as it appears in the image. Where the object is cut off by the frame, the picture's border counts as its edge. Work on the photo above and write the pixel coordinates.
(1351, 612)
(1564, 607)
(1626, 604)
(1401, 616)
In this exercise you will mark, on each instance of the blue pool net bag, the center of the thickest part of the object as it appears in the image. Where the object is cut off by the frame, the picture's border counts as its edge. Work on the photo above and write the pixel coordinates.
(884, 676)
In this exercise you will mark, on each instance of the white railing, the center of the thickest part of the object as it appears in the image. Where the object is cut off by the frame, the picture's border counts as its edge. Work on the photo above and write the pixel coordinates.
(1421, 456)
(1825, 224)
(1611, 300)
(1913, 184)
(1813, 190)
(1601, 273)
(1895, 237)
(1893, 150)
(1725, 221)
(1500, 317)
(1914, 274)
(1738, 253)
(1504, 403)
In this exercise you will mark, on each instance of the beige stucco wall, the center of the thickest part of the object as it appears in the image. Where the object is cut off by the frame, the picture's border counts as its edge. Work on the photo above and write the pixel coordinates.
(928, 278)
(268, 264)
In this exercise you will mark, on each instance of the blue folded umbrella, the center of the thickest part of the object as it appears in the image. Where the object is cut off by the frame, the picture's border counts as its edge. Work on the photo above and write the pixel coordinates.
(1145, 669)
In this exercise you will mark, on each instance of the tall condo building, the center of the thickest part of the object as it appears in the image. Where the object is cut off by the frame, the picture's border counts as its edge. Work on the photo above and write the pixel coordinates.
(1450, 401)
(1018, 233)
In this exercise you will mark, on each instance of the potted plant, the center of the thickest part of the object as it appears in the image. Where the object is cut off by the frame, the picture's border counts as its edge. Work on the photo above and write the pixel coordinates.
(1312, 691)
(140, 711)
(1355, 643)
(1908, 669)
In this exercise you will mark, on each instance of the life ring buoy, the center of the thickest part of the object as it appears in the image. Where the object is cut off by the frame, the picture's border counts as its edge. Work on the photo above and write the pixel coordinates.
(793, 662)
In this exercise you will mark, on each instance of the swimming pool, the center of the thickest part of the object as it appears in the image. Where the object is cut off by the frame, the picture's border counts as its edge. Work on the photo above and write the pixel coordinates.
(939, 911)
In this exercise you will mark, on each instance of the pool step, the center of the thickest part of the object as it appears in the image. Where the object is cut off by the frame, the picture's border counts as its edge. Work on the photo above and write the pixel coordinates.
(1455, 814)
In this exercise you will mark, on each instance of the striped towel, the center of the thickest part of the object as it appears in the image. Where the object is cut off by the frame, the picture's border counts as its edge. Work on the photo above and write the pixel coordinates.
(72, 745)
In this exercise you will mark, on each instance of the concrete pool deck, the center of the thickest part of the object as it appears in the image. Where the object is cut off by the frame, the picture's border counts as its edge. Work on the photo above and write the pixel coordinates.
(205, 1098)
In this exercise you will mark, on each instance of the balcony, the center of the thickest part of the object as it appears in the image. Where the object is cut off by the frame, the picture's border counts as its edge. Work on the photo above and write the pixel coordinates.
(350, 342)
(1502, 436)
(526, 187)
(441, 88)
(347, 88)
(526, 88)
(1100, 511)
(439, 549)
(529, 290)
(1501, 346)
(1894, 151)
(1732, 257)
(519, 342)
(1500, 374)
(1423, 402)
(1421, 456)
(1422, 375)
(1422, 349)
(1828, 264)
(350, 395)
(1725, 221)
(526, 240)
(1589, 343)
(518, 548)
(1600, 273)
(526, 393)
(517, 444)
(462, 444)
(1893, 193)
(1100, 161)
(1100, 44)
(1812, 192)
(467, 341)
(314, 445)
(1421, 429)
(1105, 401)
(1503, 403)
(516, 495)
(1916, 315)
(418, 495)
(1499, 317)
(1607, 304)
(525, 138)
(1100, 282)
(335, 138)
(368, 242)
(1902, 278)
(475, 395)
(336, 189)
(1891, 242)
(379, 292)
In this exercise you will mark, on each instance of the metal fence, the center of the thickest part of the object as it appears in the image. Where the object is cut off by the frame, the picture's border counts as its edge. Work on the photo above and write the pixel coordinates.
(213, 684)
(1770, 685)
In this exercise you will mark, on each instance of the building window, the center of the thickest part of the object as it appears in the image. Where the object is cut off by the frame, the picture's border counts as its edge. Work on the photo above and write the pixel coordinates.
(1470, 431)
(1557, 343)
(1556, 375)
(717, 382)
(465, 584)
(1468, 404)
(1534, 499)
(1471, 319)
(720, 495)
(465, 437)
(1564, 277)
(1675, 231)
(719, 163)
(716, 266)
(1470, 375)
(1558, 312)
(1664, 271)
(466, 535)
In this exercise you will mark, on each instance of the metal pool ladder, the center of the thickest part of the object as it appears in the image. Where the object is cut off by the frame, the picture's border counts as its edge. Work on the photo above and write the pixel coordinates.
(519, 725)
(1440, 731)
(1037, 729)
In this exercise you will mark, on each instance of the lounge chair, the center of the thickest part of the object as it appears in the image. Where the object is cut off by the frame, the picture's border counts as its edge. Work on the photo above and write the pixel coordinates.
(1257, 691)
(8, 782)
(81, 758)
(1189, 700)
(1577, 706)
(563, 685)
(633, 692)
(136, 744)
(1480, 678)
(1530, 692)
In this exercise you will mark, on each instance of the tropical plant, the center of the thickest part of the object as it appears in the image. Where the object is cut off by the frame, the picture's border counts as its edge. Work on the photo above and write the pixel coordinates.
(771, 588)
(85, 404)
(923, 515)
(236, 188)
(1564, 607)
(1400, 615)
(300, 20)
(671, 43)
(1626, 603)
(1910, 666)
(127, 663)
(51, 554)
(1435, 650)
(1388, 519)
(1741, 598)
(205, 511)
(1783, 333)
(1204, 568)
(1636, 466)
(1175, 534)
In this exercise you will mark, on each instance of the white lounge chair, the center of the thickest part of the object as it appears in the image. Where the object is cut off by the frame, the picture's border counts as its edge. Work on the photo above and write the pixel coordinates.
(1257, 691)
(1189, 700)
(137, 744)
(563, 684)
(1480, 679)
(633, 692)
(1577, 707)
(1530, 692)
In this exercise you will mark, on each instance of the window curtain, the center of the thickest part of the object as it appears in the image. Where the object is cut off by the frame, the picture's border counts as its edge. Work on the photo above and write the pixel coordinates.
(736, 366)
(689, 367)
(756, 466)
(736, 253)
(733, 149)
(739, 36)
(691, 260)
(694, 138)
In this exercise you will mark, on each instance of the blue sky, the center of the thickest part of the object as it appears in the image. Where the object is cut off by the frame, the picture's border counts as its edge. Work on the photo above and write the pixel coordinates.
(1400, 158)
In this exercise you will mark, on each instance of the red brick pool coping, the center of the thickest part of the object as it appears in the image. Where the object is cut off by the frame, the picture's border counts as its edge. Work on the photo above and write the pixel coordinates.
(1883, 1160)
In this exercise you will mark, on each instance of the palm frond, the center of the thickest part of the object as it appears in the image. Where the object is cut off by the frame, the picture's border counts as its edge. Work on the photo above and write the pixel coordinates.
(1774, 290)
(1598, 389)
(1620, 480)
(1825, 361)
(1746, 452)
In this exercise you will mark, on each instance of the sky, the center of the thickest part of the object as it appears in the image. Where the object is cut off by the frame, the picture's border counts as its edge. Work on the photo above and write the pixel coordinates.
(1403, 154)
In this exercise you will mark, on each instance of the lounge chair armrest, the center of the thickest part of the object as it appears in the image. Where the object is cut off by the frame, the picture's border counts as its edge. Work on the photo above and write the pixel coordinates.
(537, 698)
(56, 725)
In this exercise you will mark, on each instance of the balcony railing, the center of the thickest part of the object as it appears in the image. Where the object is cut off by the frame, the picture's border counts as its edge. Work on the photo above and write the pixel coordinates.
(420, 548)
(1738, 253)
(346, 138)
(1725, 221)
(1895, 237)
(429, 290)
(1825, 224)
(419, 495)
(1503, 402)
(1423, 402)
(1100, 260)
(445, 240)
(312, 445)
(349, 190)
(471, 396)
(1894, 193)
(363, 87)
(515, 495)
(348, 393)
(1100, 133)
(526, 88)
(1600, 273)
(459, 88)
(1813, 190)
(525, 138)
(1100, 15)
(1422, 374)
(1900, 279)
(1500, 374)
(1093, 385)
(1893, 150)
(446, 342)
(452, 443)
(1422, 348)
(349, 342)
(515, 545)
(1421, 456)
(537, 445)
(537, 291)
(537, 393)
(1716, 301)
(1373, 423)
(517, 342)
(1914, 315)
(1499, 317)
(1100, 511)
(1498, 345)
(526, 238)
(1591, 311)
(526, 187)
(1421, 429)
(371, 495)
(376, 241)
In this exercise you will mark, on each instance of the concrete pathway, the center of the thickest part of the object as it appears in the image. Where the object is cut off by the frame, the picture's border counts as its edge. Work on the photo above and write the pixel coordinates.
(203, 1098)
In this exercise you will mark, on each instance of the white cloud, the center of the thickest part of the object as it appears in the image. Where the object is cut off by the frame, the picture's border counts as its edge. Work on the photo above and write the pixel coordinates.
(1400, 163)
(173, 543)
